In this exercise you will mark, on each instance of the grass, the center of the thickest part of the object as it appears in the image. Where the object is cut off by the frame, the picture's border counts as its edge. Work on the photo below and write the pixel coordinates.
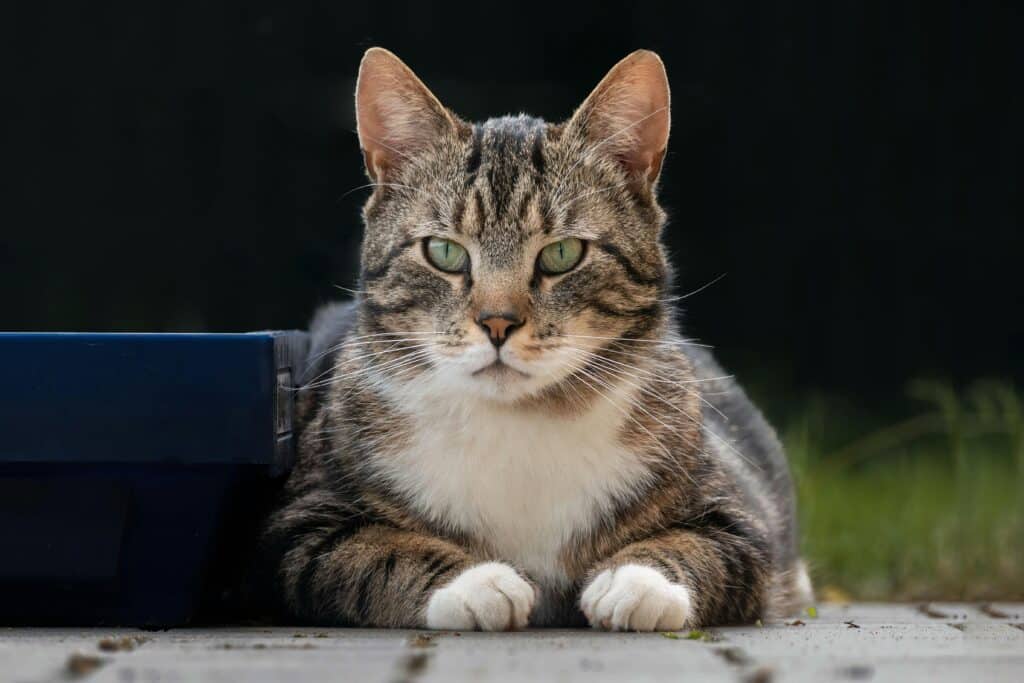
(931, 508)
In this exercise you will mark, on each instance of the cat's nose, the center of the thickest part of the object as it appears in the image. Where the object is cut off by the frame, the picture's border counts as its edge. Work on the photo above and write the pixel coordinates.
(499, 326)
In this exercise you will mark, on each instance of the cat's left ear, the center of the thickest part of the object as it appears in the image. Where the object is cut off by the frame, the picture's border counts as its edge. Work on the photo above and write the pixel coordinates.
(627, 114)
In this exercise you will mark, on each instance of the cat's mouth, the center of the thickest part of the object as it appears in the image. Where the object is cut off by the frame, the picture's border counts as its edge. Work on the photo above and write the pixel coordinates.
(499, 370)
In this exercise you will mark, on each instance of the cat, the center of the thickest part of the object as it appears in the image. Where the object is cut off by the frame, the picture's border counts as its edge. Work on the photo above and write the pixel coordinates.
(505, 428)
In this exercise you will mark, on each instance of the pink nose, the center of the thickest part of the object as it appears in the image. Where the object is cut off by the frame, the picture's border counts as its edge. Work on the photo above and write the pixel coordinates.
(499, 325)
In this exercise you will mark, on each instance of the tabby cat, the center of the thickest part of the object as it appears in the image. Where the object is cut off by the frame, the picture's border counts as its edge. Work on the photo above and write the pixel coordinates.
(505, 427)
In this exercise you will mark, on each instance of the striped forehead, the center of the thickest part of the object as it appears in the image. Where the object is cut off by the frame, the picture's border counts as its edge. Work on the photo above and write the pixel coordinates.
(504, 173)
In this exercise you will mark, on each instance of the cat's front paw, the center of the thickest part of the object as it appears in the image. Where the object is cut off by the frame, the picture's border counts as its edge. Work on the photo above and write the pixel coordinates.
(635, 598)
(488, 597)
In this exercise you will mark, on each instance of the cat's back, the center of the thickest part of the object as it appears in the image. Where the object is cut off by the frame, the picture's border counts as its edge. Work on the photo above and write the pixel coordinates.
(742, 438)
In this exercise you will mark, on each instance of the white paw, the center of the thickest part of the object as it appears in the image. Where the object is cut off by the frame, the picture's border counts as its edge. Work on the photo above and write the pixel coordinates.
(488, 597)
(635, 598)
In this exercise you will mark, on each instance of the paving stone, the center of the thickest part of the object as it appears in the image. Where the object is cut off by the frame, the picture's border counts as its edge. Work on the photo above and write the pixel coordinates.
(866, 641)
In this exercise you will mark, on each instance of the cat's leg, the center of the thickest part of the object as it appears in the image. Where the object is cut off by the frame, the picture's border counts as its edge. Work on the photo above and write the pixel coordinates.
(677, 579)
(386, 577)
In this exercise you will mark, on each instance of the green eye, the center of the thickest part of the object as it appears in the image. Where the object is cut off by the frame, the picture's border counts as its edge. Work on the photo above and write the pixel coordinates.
(448, 256)
(560, 257)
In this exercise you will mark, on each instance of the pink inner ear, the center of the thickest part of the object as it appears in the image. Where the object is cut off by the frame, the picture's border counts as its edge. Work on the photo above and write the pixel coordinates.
(385, 132)
(628, 113)
(396, 114)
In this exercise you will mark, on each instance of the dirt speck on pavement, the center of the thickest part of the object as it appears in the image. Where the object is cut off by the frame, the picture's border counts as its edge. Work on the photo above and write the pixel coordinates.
(125, 644)
(856, 672)
(762, 674)
(80, 664)
(930, 611)
(993, 611)
(421, 640)
(734, 655)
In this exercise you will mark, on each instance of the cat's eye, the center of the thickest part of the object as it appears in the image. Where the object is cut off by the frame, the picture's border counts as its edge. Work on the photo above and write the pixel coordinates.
(446, 255)
(561, 256)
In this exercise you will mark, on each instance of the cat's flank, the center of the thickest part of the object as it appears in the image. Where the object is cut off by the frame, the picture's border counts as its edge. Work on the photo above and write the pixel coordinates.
(506, 427)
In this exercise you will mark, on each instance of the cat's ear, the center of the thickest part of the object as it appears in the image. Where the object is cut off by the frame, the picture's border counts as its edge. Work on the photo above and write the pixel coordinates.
(627, 114)
(396, 115)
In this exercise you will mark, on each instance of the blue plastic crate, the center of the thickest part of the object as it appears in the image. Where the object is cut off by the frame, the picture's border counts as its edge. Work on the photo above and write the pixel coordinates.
(134, 469)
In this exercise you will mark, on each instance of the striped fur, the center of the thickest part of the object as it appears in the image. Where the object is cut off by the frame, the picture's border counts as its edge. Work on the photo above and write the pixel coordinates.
(444, 482)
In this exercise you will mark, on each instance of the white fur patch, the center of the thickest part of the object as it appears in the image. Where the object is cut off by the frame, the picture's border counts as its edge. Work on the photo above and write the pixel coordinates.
(635, 598)
(523, 482)
(804, 589)
(488, 597)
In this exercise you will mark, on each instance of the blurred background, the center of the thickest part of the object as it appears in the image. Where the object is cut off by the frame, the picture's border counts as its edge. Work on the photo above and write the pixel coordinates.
(852, 172)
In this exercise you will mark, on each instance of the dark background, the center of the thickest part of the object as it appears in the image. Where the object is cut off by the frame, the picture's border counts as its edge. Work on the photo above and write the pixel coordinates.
(854, 170)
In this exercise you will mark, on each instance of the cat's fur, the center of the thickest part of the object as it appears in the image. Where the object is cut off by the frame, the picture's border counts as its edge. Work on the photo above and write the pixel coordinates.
(605, 471)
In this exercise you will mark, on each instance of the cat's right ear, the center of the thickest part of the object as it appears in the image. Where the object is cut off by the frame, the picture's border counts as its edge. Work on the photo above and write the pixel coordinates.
(396, 115)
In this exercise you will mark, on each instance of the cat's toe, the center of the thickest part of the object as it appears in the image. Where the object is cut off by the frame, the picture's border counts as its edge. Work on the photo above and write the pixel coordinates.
(488, 597)
(635, 598)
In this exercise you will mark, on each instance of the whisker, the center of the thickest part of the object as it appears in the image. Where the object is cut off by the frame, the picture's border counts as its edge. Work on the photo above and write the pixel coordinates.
(701, 424)
(581, 374)
(671, 383)
(358, 340)
(352, 341)
(418, 349)
(350, 291)
(667, 381)
(389, 366)
(626, 340)
(669, 459)
(652, 375)
(620, 375)
(636, 403)
(700, 289)
(383, 184)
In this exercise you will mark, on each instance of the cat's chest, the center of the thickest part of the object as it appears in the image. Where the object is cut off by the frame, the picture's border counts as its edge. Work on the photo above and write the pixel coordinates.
(524, 484)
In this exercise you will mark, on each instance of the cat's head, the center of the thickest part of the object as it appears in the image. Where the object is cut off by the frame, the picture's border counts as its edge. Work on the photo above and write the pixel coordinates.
(498, 257)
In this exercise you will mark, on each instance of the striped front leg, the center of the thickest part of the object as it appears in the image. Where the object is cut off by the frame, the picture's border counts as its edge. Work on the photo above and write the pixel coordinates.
(384, 577)
(683, 578)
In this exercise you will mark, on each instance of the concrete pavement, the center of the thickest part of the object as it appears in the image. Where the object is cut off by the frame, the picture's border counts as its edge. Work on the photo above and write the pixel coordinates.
(877, 642)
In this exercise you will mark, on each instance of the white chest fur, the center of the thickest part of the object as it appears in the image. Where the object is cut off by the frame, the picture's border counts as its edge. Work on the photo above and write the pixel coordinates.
(524, 482)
